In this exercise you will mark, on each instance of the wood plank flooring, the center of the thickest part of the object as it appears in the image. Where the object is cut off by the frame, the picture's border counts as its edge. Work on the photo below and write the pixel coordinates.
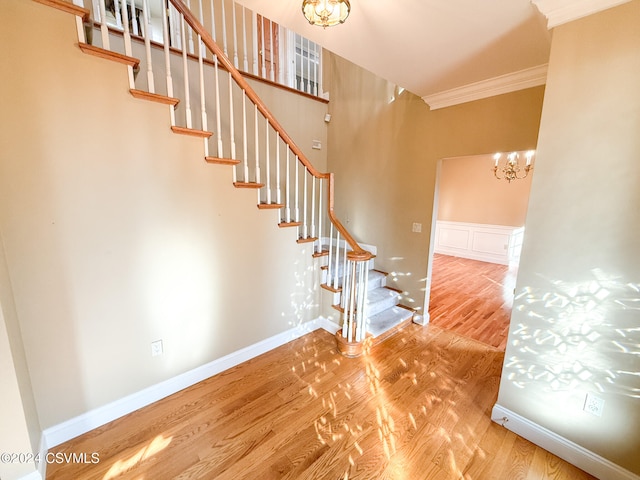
(417, 407)
(472, 298)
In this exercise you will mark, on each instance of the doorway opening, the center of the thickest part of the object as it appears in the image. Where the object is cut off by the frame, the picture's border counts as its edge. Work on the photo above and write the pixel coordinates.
(476, 237)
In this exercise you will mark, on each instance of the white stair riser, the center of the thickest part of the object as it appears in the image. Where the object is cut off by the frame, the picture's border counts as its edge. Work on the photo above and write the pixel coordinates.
(377, 302)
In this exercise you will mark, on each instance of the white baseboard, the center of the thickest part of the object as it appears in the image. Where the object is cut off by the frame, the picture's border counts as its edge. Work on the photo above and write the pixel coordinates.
(566, 449)
(32, 476)
(95, 418)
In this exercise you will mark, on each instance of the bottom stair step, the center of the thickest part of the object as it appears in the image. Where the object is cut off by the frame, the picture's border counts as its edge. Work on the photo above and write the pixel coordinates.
(387, 319)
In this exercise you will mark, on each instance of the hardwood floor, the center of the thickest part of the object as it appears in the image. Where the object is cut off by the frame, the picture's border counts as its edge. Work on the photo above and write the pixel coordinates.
(472, 298)
(415, 407)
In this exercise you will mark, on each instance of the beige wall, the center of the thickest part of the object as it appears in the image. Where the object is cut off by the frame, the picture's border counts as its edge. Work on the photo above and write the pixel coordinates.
(117, 233)
(18, 417)
(469, 192)
(384, 146)
(574, 328)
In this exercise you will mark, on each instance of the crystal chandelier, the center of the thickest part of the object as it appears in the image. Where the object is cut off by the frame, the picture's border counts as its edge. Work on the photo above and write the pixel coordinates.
(511, 169)
(326, 13)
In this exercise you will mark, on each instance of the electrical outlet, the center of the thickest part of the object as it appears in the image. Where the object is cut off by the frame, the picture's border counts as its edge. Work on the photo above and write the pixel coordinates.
(417, 228)
(593, 405)
(156, 348)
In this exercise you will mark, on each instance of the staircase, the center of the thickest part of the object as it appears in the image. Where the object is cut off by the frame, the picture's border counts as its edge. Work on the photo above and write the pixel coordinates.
(250, 141)
(385, 315)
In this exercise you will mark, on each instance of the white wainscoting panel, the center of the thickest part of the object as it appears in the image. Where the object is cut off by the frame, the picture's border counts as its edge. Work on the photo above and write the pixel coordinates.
(488, 243)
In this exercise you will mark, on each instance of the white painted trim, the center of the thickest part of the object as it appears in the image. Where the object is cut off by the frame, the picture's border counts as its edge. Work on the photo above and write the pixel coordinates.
(35, 475)
(559, 12)
(42, 466)
(560, 446)
(478, 241)
(510, 82)
(97, 417)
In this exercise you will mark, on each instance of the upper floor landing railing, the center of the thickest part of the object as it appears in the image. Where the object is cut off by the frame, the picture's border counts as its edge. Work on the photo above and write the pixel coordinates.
(255, 44)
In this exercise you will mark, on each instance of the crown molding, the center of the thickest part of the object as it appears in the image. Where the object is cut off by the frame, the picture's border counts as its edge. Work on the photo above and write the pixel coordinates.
(563, 11)
(511, 82)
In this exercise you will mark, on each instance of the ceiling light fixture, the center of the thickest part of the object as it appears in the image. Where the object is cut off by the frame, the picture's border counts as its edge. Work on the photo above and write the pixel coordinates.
(511, 169)
(326, 13)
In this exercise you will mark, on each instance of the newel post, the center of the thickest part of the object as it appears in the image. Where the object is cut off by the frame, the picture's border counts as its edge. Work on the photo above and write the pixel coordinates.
(352, 337)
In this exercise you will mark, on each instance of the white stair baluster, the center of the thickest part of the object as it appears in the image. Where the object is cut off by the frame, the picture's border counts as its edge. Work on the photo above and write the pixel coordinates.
(117, 7)
(287, 192)
(362, 328)
(216, 72)
(203, 102)
(296, 202)
(127, 43)
(185, 73)
(321, 190)
(213, 23)
(245, 59)
(224, 31)
(245, 140)
(344, 255)
(235, 34)
(352, 298)
(147, 45)
(305, 228)
(104, 30)
(167, 62)
(189, 33)
(327, 280)
(268, 161)
(79, 23)
(336, 264)
(232, 127)
(313, 206)
(254, 21)
(344, 303)
(278, 194)
(256, 144)
(135, 27)
(174, 28)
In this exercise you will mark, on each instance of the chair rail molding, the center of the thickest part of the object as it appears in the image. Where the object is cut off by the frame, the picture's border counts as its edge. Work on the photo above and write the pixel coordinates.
(564, 11)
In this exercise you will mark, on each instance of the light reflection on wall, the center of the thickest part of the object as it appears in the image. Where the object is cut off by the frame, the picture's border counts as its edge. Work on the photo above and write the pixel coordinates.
(305, 299)
(578, 331)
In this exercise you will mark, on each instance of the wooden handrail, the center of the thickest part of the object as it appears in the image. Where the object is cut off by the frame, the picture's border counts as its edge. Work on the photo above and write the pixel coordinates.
(358, 253)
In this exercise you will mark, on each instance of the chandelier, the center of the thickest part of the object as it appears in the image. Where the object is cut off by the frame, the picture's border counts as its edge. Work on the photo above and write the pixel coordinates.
(511, 169)
(326, 13)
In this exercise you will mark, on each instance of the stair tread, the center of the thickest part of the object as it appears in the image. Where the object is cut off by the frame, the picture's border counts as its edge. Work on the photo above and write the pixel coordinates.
(380, 294)
(387, 319)
(194, 132)
(221, 161)
(109, 55)
(154, 97)
(248, 185)
(270, 206)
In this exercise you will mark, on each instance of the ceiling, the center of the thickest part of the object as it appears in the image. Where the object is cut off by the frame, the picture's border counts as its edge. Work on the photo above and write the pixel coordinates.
(432, 47)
